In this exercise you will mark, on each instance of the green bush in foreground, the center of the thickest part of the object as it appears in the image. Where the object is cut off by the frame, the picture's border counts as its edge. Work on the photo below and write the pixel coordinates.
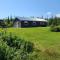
(14, 48)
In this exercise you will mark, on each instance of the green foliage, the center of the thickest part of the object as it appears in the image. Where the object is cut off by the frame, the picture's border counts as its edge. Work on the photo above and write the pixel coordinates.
(14, 48)
(54, 24)
(55, 28)
(54, 21)
(7, 22)
(28, 47)
(50, 21)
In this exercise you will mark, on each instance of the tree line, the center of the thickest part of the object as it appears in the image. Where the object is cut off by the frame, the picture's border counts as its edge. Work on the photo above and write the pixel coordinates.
(6, 22)
(55, 21)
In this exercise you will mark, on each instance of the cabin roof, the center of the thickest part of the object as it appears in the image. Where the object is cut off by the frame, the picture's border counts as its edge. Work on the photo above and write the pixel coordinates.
(30, 19)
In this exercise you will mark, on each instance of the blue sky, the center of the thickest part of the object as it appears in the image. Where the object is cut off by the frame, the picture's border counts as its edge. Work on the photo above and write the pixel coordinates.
(29, 8)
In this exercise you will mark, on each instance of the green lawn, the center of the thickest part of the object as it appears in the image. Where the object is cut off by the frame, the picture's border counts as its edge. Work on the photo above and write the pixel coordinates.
(42, 37)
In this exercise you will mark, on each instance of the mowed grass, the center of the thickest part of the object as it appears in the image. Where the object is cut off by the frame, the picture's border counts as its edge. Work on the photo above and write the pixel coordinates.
(42, 37)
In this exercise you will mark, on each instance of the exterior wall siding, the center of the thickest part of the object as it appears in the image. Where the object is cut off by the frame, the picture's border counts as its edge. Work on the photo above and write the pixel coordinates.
(32, 24)
(17, 24)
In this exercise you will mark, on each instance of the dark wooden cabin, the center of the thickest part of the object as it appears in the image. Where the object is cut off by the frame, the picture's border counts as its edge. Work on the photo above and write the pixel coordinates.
(29, 22)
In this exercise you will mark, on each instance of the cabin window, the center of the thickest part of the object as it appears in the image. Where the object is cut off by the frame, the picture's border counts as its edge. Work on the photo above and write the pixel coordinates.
(34, 22)
(26, 22)
(42, 23)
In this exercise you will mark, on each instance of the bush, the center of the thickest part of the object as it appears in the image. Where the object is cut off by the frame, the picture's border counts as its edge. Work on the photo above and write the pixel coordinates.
(14, 48)
(28, 47)
(55, 28)
(2, 50)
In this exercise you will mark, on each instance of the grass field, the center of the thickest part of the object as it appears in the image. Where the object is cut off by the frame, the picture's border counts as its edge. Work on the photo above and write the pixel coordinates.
(42, 37)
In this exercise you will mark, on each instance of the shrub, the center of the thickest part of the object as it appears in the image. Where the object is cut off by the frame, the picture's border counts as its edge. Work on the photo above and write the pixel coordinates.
(14, 48)
(55, 28)
(6, 53)
(2, 51)
(28, 47)
(13, 41)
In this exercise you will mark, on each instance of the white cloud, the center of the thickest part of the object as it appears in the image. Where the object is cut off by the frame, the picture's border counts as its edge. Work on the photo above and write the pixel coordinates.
(57, 15)
(49, 13)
